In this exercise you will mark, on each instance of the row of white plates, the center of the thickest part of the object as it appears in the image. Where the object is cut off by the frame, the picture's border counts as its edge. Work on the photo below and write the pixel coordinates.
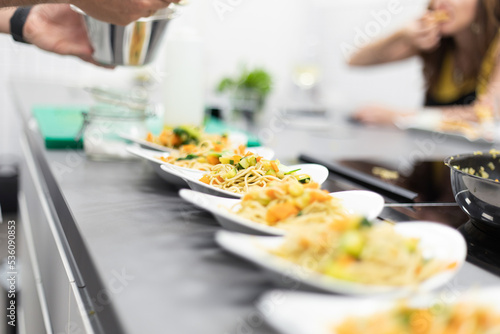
(299, 312)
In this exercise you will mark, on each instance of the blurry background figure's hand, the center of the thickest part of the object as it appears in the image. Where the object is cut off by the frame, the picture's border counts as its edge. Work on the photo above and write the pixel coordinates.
(376, 114)
(58, 29)
(121, 12)
(423, 34)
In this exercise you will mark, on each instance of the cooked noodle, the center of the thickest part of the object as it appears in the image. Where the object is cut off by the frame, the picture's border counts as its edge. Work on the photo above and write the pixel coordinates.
(463, 318)
(354, 251)
(200, 157)
(290, 204)
(251, 171)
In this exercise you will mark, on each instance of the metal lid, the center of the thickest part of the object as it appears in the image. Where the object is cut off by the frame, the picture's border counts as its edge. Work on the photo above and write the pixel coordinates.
(134, 99)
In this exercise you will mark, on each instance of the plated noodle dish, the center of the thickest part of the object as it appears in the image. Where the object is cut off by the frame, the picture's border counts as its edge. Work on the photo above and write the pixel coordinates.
(194, 149)
(185, 135)
(355, 250)
(462, 317)
(202, 156)
(290, 204)
(239, 174)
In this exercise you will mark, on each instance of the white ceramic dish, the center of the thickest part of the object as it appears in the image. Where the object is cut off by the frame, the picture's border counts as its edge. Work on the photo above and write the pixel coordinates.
(436, 241)
(429, 121)
(236, 138)
(152, 157)
(359, 202)
(305, 313)
(318, 174)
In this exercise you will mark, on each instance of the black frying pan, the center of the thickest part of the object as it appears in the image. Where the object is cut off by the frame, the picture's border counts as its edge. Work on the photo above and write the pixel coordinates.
(478, 197)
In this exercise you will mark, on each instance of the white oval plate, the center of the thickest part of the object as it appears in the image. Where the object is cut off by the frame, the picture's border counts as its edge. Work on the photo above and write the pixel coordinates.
(318, 174)
(436, 240)
(236, 138)
(359, 202)
(305, 313)
(151, 157)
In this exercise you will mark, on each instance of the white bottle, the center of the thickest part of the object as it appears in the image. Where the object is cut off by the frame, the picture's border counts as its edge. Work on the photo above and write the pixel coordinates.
(183, 89)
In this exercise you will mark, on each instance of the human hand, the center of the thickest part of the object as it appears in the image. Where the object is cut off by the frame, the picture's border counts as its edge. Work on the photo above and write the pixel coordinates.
(423, 34)
(59, 29)
(121, 12)
(378, 115)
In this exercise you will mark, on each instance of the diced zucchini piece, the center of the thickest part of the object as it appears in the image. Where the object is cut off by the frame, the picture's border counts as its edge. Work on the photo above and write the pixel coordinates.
(225, 160)
(271, 172)
(295, 189)
(252, 160)
(365, 223)
(188, 157)
(352, 243)
(215, 154)
(263, 199)
(244, 163)
(412, 244)
(303, 201)
(304, 178)
(231, 173)
(339, 271)
(280, 175)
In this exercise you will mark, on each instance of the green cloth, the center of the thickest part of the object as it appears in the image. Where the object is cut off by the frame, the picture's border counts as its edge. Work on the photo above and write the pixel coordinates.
(59, 125)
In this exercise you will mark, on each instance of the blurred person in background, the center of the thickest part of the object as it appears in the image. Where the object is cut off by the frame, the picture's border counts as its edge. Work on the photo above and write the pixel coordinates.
(55, 27)
(458, 42)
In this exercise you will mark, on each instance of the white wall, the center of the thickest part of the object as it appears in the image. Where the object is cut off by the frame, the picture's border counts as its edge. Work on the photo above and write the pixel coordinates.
(269, 33)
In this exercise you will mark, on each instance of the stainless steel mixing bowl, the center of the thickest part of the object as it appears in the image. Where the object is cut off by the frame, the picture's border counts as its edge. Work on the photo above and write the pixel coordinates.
(132, 45)
(478, 197)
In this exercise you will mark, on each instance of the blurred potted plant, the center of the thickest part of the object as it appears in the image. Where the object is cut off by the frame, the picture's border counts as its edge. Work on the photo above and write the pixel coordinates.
(247, 91)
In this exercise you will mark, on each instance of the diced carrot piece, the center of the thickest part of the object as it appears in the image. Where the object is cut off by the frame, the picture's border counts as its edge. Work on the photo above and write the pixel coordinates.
(213, 160)
(188, 148)
(176, 140)
(280, 212)
(150, 137)
(346, 260)
(259, 159)
(311, 185)
(247, 197)
(241, 149)
(319, 196)
(274, 166)
(205, 179)
(248, 154)
(271, 193)
(218, 147)
(220, 178)
(236, 158)
(452, 265)
(304, 243)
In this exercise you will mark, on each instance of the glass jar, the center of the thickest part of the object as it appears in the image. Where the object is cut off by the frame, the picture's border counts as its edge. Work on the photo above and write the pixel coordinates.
(105, 127)
(116, 115)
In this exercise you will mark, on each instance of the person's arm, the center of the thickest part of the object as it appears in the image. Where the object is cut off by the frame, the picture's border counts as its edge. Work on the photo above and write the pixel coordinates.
(489, 102)
(419, 36)
(5, 15)
(119, 12)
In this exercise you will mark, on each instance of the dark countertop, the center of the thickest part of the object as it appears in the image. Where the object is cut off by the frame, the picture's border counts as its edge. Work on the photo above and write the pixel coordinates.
(156, 255)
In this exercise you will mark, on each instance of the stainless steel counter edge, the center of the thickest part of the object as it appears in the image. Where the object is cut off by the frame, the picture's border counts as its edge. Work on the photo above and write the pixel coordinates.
(72, 249)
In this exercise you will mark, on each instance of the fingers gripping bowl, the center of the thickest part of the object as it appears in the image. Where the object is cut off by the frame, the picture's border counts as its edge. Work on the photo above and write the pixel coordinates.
(132, 45)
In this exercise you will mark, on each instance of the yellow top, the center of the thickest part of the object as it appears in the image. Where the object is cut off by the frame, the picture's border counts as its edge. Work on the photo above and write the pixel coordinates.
(446, 90)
